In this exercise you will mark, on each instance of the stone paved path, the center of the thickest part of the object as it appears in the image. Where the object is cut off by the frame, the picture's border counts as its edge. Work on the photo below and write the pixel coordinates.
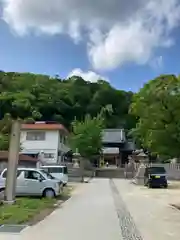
(107, 210)
(128, 228)
(89, 215)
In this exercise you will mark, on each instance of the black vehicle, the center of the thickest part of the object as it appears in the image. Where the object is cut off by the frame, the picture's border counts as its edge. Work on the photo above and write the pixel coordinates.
(155, 177)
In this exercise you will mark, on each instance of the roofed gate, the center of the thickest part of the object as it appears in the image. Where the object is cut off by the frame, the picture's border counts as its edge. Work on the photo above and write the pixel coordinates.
(116, 139)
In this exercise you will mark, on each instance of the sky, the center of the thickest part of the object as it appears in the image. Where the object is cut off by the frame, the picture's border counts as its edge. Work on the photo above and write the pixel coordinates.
(124, 42)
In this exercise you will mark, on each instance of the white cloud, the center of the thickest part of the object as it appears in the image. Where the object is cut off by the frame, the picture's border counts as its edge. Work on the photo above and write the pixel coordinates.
(89, 76)
(116, 31)
(157, 63)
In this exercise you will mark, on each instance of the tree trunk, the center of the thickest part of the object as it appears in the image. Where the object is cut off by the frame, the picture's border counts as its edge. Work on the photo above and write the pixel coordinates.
(82, 169)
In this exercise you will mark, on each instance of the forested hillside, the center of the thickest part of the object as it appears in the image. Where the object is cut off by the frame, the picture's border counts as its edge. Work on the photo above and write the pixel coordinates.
(40, 97)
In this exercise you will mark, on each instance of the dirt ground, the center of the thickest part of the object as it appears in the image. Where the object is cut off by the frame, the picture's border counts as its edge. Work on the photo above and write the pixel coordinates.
(170, 196)
(155, 211)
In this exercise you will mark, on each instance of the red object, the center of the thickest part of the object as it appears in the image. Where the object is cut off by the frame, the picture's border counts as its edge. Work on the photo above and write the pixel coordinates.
(44, 126)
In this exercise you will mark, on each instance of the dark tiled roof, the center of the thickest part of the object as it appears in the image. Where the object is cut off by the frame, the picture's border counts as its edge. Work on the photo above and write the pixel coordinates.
(130, 146)
(113, 136)
(22, 157)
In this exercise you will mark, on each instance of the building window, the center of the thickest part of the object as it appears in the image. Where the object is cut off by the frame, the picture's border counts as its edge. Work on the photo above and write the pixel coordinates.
(35, 136)
(49, 155)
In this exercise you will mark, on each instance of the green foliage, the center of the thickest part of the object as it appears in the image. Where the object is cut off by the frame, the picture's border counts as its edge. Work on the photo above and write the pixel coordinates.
(5, 128)
(156, 106)
(46, 98)
(29, 210)
(4, 142)
(87, 135)
(35, 97)
(24, 210)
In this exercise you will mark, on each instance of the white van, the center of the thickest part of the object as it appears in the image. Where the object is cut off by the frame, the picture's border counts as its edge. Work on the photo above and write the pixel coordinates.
(57, 171)
(33, 182)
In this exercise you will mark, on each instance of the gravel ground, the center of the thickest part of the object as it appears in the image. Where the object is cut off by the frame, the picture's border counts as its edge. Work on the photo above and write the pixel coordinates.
(151, 210)
(129, 230)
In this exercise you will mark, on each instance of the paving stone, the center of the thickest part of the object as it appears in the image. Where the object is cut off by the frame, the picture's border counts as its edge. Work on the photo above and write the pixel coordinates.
(128, 228)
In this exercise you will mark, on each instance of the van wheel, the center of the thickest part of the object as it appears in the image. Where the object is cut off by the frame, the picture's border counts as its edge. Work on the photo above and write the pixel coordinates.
(2, 189)
(49, 193)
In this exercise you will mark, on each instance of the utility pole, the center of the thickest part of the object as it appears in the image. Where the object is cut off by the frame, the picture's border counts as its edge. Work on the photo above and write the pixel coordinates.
(12, 162)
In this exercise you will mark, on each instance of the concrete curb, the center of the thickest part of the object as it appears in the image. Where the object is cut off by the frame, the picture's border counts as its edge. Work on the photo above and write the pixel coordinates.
(88, 180)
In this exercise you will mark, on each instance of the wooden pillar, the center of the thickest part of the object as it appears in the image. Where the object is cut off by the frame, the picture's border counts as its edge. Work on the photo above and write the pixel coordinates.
(13, 159)
(124, 158)
(116, 161)
(120, 159)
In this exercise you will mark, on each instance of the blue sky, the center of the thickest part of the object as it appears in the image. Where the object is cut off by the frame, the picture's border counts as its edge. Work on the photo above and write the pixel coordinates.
(127, 55)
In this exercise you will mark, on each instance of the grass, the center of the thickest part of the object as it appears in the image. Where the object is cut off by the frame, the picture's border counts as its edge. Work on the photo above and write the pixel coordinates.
(24, 209)
(31, 210)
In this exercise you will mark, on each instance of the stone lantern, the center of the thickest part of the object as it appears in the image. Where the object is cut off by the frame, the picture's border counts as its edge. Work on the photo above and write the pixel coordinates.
(76, 159)
(143, 158)
(143, 161)
(78, 162)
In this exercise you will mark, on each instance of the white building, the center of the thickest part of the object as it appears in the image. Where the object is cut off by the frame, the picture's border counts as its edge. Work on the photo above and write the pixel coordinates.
(47, 139)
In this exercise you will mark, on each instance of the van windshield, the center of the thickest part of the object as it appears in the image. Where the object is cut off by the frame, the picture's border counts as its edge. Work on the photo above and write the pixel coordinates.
(65, 170)
(49, 176)
(56, 170)
(156, 170)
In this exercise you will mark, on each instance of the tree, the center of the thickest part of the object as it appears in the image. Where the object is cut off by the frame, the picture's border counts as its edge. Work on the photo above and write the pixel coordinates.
(5, 128)
(5, 131)
(43, 98)
(87, 135)
(4, 142)
(156, 106)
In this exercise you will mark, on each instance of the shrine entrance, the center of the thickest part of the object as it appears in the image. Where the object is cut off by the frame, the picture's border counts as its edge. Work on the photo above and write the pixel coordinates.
(116, 148)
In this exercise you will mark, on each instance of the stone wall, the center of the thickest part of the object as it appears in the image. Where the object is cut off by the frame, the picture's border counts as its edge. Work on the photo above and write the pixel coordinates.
(173, 172)
(172, 169)
(74, 173)
(109, 173)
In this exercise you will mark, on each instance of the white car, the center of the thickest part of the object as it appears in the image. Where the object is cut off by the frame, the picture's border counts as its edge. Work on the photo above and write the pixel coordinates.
(33, 182)
(58, 171)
